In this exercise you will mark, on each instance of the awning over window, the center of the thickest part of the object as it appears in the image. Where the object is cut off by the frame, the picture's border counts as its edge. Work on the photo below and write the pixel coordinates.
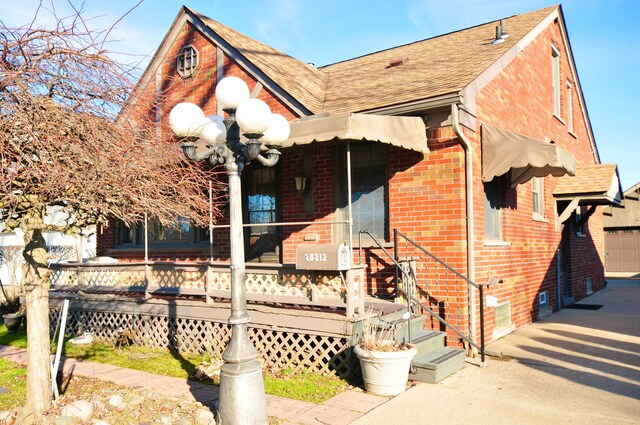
(594, 184)
(404, 132)
(504, 151)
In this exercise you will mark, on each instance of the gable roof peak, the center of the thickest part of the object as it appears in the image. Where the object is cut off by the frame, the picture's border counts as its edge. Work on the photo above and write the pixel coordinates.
(303, 82)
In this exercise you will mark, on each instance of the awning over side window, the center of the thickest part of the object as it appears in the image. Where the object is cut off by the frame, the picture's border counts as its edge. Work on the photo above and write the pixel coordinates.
(404, 132)
(594, 184)
(504, 151)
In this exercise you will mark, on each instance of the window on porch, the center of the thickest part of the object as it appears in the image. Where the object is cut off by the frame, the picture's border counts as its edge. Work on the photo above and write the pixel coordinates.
(261, 206)
(181, 233)
(369, 190)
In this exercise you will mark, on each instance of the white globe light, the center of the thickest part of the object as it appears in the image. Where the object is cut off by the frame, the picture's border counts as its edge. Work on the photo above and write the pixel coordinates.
(231, 91)
(253, 116)
(214, 132)
(185, 119)
(278, 131)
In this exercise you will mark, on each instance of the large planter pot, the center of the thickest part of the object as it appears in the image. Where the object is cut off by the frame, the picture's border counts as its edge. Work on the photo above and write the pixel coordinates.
(12, 321)
(385, 372)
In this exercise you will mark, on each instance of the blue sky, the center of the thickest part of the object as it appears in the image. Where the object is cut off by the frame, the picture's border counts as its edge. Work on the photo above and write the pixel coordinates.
(604, 36)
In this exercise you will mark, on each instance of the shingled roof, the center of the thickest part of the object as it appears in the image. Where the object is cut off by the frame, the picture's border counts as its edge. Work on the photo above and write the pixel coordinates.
(436, 66)
(591, 179)
(302, 81)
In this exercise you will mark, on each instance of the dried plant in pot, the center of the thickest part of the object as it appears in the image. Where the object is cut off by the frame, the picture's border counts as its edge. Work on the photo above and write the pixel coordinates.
(384, 362)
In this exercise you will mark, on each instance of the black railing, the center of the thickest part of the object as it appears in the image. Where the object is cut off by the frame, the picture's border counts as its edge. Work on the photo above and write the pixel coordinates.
(412, 298)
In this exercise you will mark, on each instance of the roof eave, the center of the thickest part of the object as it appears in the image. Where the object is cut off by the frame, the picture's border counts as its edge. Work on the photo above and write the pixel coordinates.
(445, 100)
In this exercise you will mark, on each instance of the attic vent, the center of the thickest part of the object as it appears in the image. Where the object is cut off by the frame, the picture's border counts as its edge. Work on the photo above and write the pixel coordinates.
(397, 61)
(187, 61)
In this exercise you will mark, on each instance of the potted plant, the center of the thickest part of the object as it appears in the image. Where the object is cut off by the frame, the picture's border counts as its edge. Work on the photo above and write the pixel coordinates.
(12, 321)
(384, 362)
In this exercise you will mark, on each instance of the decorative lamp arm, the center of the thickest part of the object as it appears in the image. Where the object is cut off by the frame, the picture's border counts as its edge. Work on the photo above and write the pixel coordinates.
(273, 155)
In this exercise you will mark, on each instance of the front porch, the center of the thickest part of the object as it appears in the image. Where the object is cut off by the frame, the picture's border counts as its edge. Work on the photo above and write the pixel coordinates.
(300, 319)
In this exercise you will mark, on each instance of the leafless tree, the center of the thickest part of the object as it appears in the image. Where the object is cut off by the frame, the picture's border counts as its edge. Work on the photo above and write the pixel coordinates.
(65, 142)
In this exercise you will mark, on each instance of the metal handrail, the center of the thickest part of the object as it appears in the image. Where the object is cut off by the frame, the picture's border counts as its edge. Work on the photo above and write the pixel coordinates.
(410, 297)
(460, 275)
(398, 266)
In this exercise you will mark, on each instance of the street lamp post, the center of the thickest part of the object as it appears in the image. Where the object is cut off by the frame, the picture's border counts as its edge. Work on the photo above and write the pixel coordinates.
(242, 400)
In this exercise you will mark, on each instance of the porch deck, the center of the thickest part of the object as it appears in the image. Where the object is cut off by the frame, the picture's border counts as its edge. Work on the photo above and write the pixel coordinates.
(299, 320)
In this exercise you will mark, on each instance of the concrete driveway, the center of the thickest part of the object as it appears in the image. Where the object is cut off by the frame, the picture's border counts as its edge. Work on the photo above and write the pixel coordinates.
(575, 367)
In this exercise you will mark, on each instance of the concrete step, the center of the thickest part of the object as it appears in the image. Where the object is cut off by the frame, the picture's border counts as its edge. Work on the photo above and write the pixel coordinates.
(427, 341)
(396, 321)
(434, 366)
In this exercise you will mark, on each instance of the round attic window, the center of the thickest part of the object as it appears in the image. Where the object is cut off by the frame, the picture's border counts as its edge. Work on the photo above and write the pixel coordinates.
(187, 61)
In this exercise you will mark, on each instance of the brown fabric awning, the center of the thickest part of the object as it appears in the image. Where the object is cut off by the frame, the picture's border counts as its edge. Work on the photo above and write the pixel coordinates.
(404, 132)
(504, 151)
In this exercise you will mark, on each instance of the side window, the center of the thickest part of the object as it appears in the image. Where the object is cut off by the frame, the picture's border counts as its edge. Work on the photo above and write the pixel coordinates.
(537, 197)
(579, 228)
(569, 107)
(555, 73)
(492, 209)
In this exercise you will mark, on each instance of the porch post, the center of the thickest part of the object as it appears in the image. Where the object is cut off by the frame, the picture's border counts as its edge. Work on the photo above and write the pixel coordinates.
(147, 270)
(349, 208)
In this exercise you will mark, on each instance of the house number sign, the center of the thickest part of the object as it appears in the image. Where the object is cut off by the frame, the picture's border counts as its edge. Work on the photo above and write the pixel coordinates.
(315, 256)
(323, 257)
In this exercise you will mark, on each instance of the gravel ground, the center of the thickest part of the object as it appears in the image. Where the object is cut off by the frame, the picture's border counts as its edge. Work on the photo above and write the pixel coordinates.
(91, 401)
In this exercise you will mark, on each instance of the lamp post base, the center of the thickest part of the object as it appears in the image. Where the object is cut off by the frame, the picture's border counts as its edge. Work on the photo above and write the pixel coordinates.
(242, 400)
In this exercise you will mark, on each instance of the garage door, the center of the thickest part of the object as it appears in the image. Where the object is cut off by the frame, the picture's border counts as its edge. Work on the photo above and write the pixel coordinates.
(623, 251)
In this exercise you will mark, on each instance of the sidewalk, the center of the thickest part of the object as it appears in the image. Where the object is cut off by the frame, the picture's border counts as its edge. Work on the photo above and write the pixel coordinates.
(339, 410)
(577, 366)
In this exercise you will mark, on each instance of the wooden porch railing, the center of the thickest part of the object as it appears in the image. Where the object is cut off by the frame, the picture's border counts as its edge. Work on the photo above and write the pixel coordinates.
(211, 280)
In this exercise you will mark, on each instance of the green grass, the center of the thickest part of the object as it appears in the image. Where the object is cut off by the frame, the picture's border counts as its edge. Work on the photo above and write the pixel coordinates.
(12, 384)
(18, 339)
(310, 387)
(307, 386)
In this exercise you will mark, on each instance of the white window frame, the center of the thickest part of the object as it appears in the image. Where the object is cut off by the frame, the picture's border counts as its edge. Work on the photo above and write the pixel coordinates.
(569, 107)
(537, 191)
(555, 76)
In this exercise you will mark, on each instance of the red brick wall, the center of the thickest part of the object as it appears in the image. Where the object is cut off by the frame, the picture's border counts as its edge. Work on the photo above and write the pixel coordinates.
(520, 100)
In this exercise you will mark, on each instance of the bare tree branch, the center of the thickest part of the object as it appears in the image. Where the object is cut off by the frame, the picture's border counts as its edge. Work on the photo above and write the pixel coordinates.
(61, 145)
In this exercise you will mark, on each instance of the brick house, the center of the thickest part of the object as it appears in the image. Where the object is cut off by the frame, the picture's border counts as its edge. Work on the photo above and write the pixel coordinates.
(474, 145)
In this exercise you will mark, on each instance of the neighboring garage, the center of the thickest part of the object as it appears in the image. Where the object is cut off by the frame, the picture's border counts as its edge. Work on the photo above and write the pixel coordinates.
(622, 234)
(622, 250)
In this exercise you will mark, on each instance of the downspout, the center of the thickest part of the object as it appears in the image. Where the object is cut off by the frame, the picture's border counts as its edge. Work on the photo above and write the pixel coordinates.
(471, 253)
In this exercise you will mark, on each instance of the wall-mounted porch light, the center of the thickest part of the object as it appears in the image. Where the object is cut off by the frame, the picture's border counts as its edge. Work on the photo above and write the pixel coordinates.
(301, 184)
